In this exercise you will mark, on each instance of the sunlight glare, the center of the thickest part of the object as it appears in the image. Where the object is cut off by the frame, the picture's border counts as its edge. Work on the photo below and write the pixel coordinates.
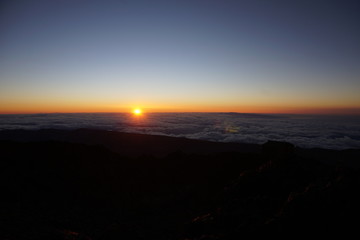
(137, 111)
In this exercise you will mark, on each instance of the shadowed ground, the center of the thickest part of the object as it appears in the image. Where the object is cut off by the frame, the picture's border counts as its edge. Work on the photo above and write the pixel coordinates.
(68, 189)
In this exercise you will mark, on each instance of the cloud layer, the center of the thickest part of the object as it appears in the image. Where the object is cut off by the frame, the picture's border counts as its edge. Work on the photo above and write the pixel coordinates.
(306, 131)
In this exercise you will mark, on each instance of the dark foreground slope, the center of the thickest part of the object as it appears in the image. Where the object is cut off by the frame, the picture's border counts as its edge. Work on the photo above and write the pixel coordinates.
(129, 144)
(62, 190)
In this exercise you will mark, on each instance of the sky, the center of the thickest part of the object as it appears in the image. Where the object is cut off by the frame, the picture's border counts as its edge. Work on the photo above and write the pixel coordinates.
(258, 56)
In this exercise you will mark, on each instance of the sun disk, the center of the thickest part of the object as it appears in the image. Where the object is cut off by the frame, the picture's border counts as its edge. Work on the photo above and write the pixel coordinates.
(137, 111)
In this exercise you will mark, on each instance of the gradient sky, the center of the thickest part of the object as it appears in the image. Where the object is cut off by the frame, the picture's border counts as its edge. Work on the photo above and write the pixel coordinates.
(197, 55)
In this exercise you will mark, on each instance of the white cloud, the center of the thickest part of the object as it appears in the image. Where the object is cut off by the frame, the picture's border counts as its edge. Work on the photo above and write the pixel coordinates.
(304, 131)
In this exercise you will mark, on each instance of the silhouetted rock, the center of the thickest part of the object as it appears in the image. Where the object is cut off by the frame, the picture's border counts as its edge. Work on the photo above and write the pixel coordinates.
(129, 144)
(278, 149)
(66, 190)
(280, 198)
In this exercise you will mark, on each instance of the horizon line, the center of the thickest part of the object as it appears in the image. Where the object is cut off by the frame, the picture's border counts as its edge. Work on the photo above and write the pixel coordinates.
(130, 113)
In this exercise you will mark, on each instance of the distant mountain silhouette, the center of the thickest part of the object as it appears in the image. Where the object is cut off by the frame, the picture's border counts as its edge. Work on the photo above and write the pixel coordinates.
(130, 144)
(54, 187)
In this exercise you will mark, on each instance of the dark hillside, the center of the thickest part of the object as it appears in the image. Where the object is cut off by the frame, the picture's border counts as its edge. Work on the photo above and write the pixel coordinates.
(66, 190)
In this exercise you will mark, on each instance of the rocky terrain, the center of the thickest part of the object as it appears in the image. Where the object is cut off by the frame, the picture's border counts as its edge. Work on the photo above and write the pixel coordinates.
(92, 184)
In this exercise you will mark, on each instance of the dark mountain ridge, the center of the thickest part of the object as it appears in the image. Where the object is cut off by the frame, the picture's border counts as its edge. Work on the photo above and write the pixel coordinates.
(56, 188)
(130, 144)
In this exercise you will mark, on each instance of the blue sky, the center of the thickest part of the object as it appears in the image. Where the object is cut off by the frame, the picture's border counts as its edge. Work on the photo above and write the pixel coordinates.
(179, 55)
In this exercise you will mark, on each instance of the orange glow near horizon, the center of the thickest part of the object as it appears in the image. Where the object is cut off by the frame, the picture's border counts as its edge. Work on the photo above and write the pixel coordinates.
(154, 107)
(168, 105)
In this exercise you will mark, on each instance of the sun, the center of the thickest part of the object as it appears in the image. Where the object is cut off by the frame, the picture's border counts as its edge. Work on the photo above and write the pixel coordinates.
(137, 111)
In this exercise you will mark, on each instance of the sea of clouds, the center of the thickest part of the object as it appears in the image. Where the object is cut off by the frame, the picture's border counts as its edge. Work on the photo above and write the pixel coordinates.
(332, 132)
